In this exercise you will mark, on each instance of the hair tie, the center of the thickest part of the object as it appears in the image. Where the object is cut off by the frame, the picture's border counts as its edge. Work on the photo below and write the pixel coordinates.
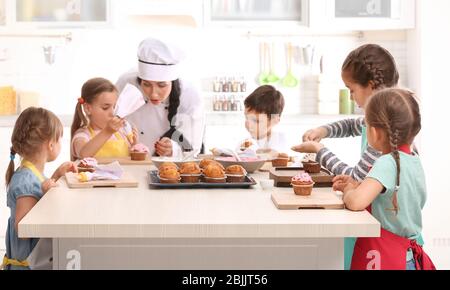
(81, 100)
(12, 156)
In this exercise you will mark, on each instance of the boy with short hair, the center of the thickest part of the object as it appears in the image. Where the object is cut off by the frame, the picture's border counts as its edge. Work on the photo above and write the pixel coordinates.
(263, 109)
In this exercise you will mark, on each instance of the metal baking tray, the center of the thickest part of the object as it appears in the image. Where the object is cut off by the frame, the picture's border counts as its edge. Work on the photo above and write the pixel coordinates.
(155, 183)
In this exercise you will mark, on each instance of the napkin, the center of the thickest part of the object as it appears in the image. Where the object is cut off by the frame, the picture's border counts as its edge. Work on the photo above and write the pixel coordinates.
(112, 171)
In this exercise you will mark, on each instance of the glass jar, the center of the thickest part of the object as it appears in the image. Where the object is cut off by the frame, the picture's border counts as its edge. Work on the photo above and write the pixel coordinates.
(225, 87)
(243, 85)
(217, 86)
(235, 86)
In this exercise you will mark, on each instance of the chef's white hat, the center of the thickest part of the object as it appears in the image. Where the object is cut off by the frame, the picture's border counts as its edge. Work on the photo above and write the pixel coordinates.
(159, 61)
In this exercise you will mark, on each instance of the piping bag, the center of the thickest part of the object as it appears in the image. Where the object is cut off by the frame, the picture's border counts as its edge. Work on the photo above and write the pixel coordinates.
(130, 100)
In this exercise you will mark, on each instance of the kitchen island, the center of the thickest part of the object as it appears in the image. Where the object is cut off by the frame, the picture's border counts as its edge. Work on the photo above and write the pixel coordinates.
(198, 229)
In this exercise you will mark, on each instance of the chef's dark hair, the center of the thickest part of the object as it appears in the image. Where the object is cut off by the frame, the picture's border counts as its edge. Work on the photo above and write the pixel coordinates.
(174, 103)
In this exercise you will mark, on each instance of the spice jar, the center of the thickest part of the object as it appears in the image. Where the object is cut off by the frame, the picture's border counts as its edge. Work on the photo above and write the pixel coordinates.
(217, 104)
(217, 86)
(235, 87)
(243, 85)
(225, 86)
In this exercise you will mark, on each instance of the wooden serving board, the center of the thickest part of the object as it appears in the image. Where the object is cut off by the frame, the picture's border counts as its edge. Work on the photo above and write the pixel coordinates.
(320, 198)
(282, 176)
(124, 161)
(125, 181)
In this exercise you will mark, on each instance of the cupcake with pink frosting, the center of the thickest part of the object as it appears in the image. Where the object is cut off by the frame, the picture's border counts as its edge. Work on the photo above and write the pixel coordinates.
(139, 152)
(302, 184)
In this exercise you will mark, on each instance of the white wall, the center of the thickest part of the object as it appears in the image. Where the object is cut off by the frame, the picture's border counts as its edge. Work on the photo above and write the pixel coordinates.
(429, 62)
(212, 52)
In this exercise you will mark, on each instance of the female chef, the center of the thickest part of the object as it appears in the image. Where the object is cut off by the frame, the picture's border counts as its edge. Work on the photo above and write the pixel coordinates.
(172, 120)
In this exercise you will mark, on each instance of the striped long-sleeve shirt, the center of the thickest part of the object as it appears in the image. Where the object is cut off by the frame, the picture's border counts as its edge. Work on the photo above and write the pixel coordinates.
(342, 129)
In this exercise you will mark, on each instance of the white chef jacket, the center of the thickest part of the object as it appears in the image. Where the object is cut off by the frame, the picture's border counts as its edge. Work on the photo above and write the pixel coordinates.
(151, 120)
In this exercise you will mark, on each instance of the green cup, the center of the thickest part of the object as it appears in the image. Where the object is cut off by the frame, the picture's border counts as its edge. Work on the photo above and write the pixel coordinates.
(345, 103)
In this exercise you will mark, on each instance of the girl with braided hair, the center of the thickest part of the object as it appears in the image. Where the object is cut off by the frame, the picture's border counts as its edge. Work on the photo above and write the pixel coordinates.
(36, 139)
(394, 190)
(366, 70)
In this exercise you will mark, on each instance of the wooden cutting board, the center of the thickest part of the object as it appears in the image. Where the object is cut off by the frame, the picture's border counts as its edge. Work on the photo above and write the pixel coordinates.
(125, 181)
(282, 176)
(124, 161)
(321, 198)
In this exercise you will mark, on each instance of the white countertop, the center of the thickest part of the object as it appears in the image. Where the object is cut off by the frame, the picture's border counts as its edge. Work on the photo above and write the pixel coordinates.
(149, 213)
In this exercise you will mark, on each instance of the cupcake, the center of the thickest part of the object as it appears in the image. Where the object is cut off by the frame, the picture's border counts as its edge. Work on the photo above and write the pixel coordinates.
(214, 174)
(168, 165)
(235, 173)
(190, 172)
(87, 165)
(310, 165)
(169, 175)
(281, 160)
(206, 162)
(302, 184)
(139, 152)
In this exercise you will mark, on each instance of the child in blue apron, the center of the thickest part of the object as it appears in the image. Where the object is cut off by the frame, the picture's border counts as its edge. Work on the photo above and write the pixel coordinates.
(95, 131)
(366, 70)
(394, 191)
(36, 139)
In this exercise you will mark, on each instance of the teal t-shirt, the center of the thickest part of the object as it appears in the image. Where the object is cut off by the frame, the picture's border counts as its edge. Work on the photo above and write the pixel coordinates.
(23, 183)
(411, 195)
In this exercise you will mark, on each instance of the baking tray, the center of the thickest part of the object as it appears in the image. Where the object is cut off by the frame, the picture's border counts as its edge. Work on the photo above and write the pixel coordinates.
(155, 183)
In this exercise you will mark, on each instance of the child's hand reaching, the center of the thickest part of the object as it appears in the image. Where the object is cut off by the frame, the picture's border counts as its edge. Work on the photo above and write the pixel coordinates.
(65, 167)
(344, 183)
(114, 125)
(315, 134)
(49, 183)
(308, 147)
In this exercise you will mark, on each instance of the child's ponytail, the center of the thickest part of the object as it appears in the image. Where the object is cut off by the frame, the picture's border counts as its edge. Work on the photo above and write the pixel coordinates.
(79, 121)
(393, 140)
(10, 170)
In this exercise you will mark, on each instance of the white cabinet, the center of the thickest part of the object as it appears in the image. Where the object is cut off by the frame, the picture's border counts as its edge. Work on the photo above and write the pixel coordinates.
(2, 12)
(256, 13)
(161, 8)
(362, 14)
(55, 13)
